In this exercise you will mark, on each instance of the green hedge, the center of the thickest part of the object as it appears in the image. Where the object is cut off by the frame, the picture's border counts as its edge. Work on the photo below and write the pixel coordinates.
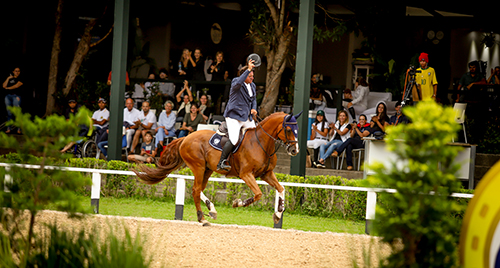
(311, 201)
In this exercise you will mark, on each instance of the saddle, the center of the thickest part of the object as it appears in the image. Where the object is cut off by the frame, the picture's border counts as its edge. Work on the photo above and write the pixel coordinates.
(220, 138)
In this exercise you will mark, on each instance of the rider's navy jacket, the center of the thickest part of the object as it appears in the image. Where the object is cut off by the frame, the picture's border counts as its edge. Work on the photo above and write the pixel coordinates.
(240, 103)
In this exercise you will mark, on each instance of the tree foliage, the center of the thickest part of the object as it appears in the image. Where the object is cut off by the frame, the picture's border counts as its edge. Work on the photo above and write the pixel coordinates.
(274, 27)
(418, 220)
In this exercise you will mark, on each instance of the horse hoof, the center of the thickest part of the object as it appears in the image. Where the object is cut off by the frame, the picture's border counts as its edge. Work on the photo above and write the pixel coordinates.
(276, 219)
(213, 215)
(237, 203)
(205, 223)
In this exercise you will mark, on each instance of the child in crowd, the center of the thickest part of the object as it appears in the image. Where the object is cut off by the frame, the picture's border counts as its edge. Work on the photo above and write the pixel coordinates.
(148, 151)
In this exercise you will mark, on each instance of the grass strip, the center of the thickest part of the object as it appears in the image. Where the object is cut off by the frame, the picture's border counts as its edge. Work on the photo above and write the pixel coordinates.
(158, 209)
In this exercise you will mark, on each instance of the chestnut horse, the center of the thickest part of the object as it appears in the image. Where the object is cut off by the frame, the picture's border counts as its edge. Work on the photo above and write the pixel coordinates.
(256, 157)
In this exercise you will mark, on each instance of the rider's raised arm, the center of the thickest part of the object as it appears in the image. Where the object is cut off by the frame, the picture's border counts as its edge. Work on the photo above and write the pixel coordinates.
(237, 82)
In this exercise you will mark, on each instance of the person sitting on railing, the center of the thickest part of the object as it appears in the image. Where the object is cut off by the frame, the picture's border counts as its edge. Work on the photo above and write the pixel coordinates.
(358, 132)
(339, 133)
(357, 101)
(319, 134)
(191, 121)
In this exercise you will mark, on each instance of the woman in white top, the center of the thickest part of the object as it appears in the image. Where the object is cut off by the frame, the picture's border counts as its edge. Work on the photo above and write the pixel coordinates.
(359, 98)
(319, 134)
(339, 133)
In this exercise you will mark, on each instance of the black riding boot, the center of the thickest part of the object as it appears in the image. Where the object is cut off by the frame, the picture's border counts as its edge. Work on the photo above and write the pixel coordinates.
(353, 114)
(223, 163)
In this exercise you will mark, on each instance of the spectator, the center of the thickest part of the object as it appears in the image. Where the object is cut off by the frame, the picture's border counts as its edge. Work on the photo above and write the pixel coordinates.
(358, 132)
(205, 108)
(399, 117)
(101, 116)
(103, 145)
(472, 77)
(339, 133)
(166, 125)
(218, 68)
(72, 109)
(148, 150)
(219, 71)
(186, 65)
(127, 80)
(357, 100)
(380, 120)
(426, 78)
(319, 134)
(142, 91)
(13, 84)
(184, 101)
(495, 76)
(130, 120)
(316, 97)
(147, 123)
(167, 89)
(191, 121)
(198, 66)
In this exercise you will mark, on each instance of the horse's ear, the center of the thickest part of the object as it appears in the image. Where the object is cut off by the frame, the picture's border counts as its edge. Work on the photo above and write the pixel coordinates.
(297, 115)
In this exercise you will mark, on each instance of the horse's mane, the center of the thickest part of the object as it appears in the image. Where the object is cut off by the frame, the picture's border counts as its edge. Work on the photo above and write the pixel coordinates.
(264, 121)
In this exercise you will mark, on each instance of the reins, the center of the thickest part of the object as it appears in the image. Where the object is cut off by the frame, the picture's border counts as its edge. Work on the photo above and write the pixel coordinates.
(279, 142)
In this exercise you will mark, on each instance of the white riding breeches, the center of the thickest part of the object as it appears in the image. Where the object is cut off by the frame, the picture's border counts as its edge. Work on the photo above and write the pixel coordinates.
(234, 126)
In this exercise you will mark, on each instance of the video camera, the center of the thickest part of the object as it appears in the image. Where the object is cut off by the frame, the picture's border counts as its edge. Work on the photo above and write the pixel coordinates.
(413, 71)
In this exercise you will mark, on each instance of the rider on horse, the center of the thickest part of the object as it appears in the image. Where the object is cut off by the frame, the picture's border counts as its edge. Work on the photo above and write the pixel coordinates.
(240, 109)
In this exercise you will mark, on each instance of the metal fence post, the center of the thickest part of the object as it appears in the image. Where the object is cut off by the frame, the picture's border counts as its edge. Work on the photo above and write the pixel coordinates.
(371, 203)
(96, 191)
(180, 193)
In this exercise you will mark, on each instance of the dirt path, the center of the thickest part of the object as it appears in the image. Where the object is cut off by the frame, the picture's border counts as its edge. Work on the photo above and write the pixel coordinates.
(187, 244)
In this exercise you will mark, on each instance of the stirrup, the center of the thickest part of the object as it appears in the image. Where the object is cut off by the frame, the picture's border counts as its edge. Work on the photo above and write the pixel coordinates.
(223, 166)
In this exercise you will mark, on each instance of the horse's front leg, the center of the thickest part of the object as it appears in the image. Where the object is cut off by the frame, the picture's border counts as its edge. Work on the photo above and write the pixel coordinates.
(212, 212)
(249, 179)
(270, 178)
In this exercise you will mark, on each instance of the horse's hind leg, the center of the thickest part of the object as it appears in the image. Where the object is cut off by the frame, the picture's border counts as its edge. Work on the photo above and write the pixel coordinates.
(212, 212)
(270, 178)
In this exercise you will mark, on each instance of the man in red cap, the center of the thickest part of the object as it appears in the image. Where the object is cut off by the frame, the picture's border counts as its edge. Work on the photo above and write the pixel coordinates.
(426, 78)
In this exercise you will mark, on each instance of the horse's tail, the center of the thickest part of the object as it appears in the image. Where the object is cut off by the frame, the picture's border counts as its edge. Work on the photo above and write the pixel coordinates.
(170, 160)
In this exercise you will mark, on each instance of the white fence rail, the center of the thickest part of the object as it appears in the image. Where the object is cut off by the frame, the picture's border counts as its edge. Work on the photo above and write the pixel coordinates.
(371, 199)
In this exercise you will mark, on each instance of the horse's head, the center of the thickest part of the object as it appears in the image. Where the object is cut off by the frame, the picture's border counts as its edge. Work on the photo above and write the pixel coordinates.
(290, 133)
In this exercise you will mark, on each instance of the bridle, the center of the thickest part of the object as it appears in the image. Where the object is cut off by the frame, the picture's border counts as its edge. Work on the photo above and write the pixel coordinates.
(277, 141)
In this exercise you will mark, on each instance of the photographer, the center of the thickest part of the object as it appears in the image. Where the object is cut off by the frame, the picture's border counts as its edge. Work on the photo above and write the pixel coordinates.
(13, 85)
(426, 78)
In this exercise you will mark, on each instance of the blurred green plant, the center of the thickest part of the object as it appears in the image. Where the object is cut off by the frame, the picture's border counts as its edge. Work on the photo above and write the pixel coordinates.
(418, 221)
(27, 191)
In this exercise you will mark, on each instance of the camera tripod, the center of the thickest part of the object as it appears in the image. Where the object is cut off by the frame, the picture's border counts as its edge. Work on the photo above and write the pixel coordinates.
(407, 95)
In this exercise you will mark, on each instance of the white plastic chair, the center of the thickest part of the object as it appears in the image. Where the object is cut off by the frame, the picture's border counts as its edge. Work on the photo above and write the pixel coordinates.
(459, 109)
